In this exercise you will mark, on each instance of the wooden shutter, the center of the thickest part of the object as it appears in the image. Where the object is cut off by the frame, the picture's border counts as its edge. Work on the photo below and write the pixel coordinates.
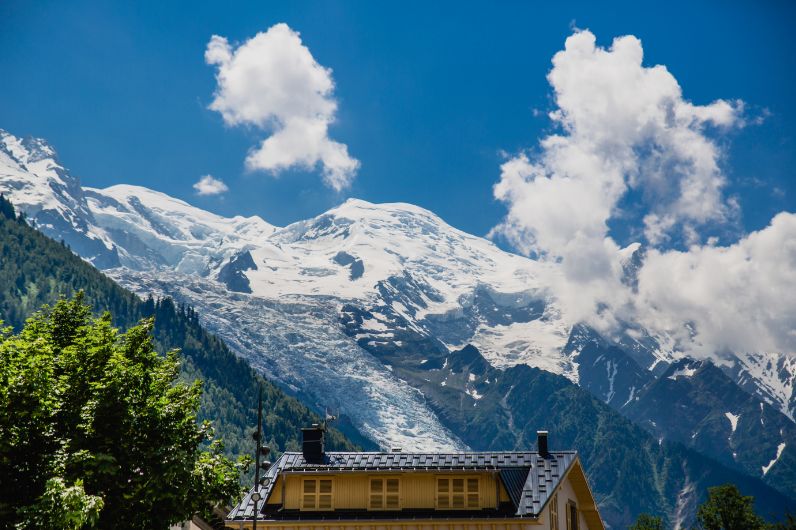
(392, 494)
(472, 493)
(554, 512)
(308, 494)
(385, 494)
(376, 494)
(458, 493)
(325, 494)
(443, 493)
(316, 494)
(572, 516)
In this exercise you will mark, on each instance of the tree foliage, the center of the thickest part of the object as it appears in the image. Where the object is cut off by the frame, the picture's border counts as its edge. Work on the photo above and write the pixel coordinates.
(788, 524)
(96, 429)
(62, 507)
(646, 521)
(35, 270)
(726, 509)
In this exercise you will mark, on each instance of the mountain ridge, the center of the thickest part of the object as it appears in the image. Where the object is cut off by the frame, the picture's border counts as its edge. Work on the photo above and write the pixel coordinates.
(37, 271)
(359, 307)
(299, 259)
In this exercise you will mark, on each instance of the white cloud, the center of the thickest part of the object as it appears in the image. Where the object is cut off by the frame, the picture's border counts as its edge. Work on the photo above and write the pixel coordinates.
(627, 131)
(738, 297)
(208, 185)
(625, 126)
(272, 82)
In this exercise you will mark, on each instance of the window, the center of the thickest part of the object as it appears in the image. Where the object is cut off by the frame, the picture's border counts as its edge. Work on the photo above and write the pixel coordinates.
(572, 515)
(385, 494)
(457, 493)
(316, 494)
(554, 512)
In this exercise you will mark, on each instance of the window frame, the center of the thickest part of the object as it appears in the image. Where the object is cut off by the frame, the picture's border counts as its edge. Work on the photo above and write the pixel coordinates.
(316, 507)
(384, 492)
(465, 493)
(572, 508)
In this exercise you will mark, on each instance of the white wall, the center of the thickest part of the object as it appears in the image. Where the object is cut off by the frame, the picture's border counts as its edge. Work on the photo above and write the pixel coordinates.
(565, 494)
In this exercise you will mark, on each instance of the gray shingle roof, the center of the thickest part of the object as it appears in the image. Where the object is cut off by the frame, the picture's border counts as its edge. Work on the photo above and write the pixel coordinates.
(528, 477)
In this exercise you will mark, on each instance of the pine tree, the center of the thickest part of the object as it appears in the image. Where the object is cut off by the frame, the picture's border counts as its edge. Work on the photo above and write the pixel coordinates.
(6, 208)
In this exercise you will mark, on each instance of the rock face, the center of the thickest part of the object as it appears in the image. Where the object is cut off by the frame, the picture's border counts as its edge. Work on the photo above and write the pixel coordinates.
(46, 192)
(423, 335)
(233, 273)
(697, 404)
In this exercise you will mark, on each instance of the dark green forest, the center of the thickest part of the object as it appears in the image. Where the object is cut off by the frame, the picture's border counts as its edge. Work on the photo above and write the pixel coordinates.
(37, 271)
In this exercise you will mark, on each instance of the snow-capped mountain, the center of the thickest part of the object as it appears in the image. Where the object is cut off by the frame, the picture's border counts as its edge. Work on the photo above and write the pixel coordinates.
(45, 191)
(150, 230)
(352, 309)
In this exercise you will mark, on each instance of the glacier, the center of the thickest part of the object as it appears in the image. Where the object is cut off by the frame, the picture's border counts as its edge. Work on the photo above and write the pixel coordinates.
(315, 304)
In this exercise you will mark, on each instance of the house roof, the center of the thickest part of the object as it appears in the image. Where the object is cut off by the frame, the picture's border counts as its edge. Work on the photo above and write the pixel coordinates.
(528, 477)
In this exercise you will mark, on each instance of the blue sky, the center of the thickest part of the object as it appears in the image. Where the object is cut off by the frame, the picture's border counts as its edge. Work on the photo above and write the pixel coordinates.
(430, 97)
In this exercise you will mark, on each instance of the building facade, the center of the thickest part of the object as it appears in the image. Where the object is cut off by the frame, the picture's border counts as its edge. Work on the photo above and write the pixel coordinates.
(318, 490)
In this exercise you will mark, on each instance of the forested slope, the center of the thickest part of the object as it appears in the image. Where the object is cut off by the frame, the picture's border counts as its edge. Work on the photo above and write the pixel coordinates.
(35, 270)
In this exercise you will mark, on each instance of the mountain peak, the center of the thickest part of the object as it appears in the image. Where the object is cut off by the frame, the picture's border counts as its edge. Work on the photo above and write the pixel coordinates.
(385, 213)
(153, 229)
(37, 184)
(26, 151)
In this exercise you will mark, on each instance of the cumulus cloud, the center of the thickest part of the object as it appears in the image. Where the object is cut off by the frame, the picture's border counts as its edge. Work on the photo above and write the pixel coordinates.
(273, 82)
(627, 135)
(718, 299)
(208, 185)
(624, 126)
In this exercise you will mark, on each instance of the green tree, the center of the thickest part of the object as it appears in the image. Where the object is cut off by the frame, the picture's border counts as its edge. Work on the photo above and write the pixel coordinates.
(727, 509)
(788, 524)
(6, 208)
(646, 521)
(96, 430)
(63, 507)
(35, 271)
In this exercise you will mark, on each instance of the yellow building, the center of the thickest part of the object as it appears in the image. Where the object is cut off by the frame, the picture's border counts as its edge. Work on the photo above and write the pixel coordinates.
(318, 490)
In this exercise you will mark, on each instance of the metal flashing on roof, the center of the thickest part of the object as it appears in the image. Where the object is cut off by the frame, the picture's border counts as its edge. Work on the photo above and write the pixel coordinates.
(514, 481)
(528, 477)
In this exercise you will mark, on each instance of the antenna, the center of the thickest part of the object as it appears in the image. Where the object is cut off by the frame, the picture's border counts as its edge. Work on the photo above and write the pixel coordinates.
(327, 418)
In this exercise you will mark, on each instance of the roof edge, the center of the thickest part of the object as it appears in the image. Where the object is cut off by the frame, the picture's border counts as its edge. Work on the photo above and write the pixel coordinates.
(576, 463)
